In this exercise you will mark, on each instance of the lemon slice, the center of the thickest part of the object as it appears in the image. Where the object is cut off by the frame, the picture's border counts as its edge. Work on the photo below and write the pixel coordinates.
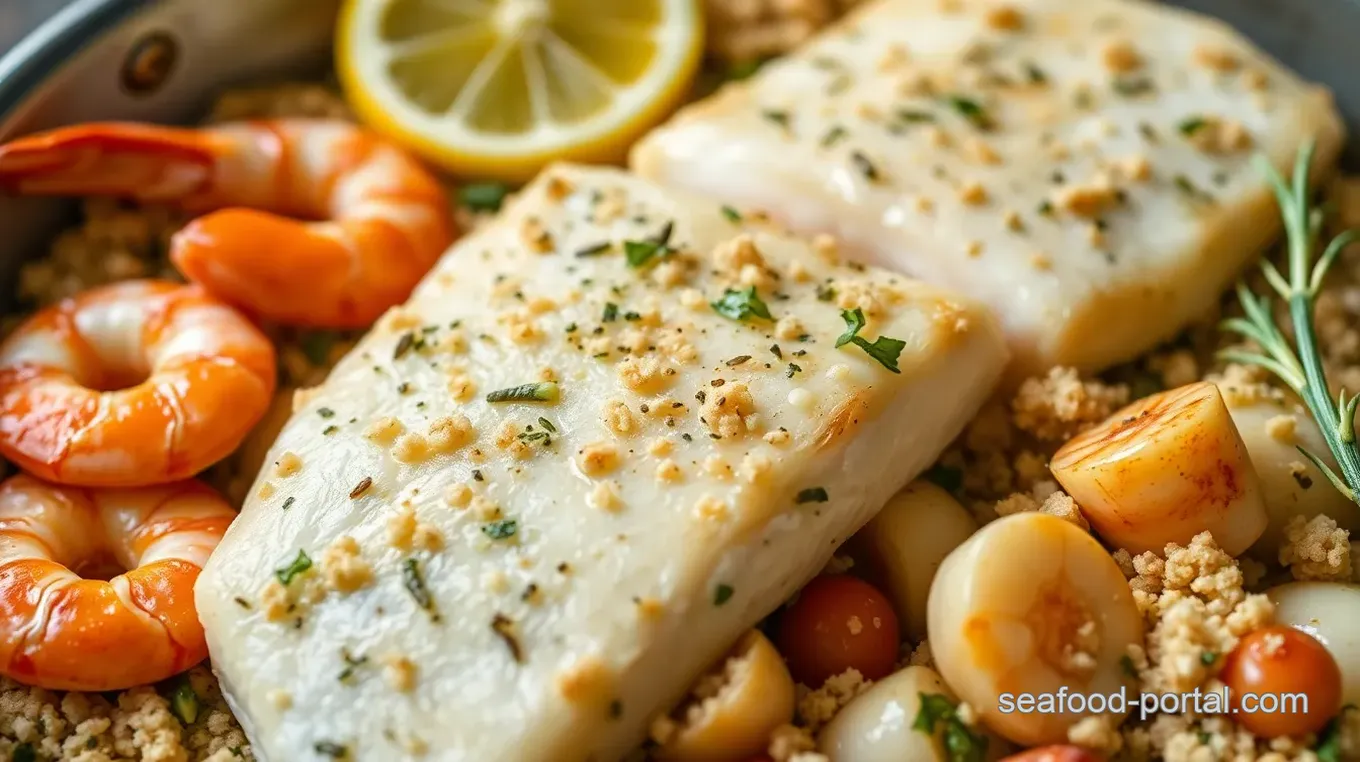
(498, 88)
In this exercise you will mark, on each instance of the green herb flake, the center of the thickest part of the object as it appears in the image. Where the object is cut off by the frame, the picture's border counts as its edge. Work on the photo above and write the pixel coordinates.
(1207, 658)
(414, 582)
(865, 166)
(1035, 75)
(744, 69)
(739, 305)
(404, 345)
(483, 197)
(1190, 125)
(946, 478)
(833, 136)
(722, 594)
(545, 423)
(1131, 86)
(1329, 738)
(913, 116)
(331, 749)
(594, 250)
(325, 412)
(776, 116)
(329, 430)
(299, 565)
(793, 369)
(1191, 191)
(543, 391)
(642, 253)
(811, 495)
(184, 703)
(971, 110)
(611, 312)
(938, 712)
(352, 663)
(316, 345)
(732, 215)
(883, 349)
(501, 530)
(289, 503)
(24, 752)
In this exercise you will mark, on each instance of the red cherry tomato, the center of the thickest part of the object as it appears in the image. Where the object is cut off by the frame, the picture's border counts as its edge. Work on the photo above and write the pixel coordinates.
(1277, 661)
(1056, 753)
(839, 622)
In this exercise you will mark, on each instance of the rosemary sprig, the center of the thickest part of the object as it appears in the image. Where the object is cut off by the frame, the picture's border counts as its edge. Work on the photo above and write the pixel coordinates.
(1302, 370)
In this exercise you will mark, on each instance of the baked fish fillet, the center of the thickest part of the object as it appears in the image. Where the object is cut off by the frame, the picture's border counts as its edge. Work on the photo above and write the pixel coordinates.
(1080, 165)
(421, 572)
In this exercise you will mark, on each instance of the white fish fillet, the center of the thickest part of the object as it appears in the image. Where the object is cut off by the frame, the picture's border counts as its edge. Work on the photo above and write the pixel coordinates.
(1080, 165)
(618, 586)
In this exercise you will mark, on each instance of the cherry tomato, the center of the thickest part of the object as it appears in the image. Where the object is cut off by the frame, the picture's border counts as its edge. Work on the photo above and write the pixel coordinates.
(839, 622)
(1056, 753)
(1281, 660)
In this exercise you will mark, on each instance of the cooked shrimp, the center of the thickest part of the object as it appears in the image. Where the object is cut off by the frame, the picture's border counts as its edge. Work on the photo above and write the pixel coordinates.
(132, 384)
(383, 219)
(64, 632)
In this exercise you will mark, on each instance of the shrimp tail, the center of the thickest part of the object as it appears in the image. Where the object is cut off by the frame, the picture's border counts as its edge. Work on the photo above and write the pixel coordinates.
(135, 161)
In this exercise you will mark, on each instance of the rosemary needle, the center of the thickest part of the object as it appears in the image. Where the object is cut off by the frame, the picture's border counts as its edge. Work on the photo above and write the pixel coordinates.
(1299, 366)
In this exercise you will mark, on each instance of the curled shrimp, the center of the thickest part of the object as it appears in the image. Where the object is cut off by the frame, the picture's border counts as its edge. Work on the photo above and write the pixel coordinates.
(64, 632)
(131, 384)
(381, 220)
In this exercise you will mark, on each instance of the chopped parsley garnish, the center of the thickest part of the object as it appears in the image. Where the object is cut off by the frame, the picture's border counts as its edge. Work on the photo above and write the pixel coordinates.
(300, 564)
(735, 361)
(1035, 74)
(24, 753)
(825, 293)
(1132, 85)
(731, 214)
(641, 253)
(883, 349)
(1045, 208)
(946, 478)
(483, 197)
(404, 345)
(865, 166)
(792, 369)
(1207, 658)
(960, 743)
(289, 503)
(545, 423)
(1329, 738)
(415, 585)
(912, 116)
(811, 495)
(184, 703)
(722, 594)
(776, 116)
(543, 391)
(833, 136)
(611, 312)
(776, 351)
(1126, 663)
(502, 626)
(1190, 125)
(1191, 191)
(594, 250)
(501, 530)
(739, 305)
(330, 430)
(351, 663)
(325, 412)
(331, 749)
(744, 69)
(971, 110)
(317, 346)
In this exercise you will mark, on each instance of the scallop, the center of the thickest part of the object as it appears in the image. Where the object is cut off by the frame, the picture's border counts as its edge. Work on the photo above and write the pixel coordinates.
(1028, 605)
(751, 694)
(1330, 612)
(1272, 431)
(877, 725)
(1164, 469)
(906, 543)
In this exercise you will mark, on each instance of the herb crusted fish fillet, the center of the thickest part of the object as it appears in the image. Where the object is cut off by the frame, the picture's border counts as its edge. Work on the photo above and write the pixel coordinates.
(610, 432)
(1081, 165)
